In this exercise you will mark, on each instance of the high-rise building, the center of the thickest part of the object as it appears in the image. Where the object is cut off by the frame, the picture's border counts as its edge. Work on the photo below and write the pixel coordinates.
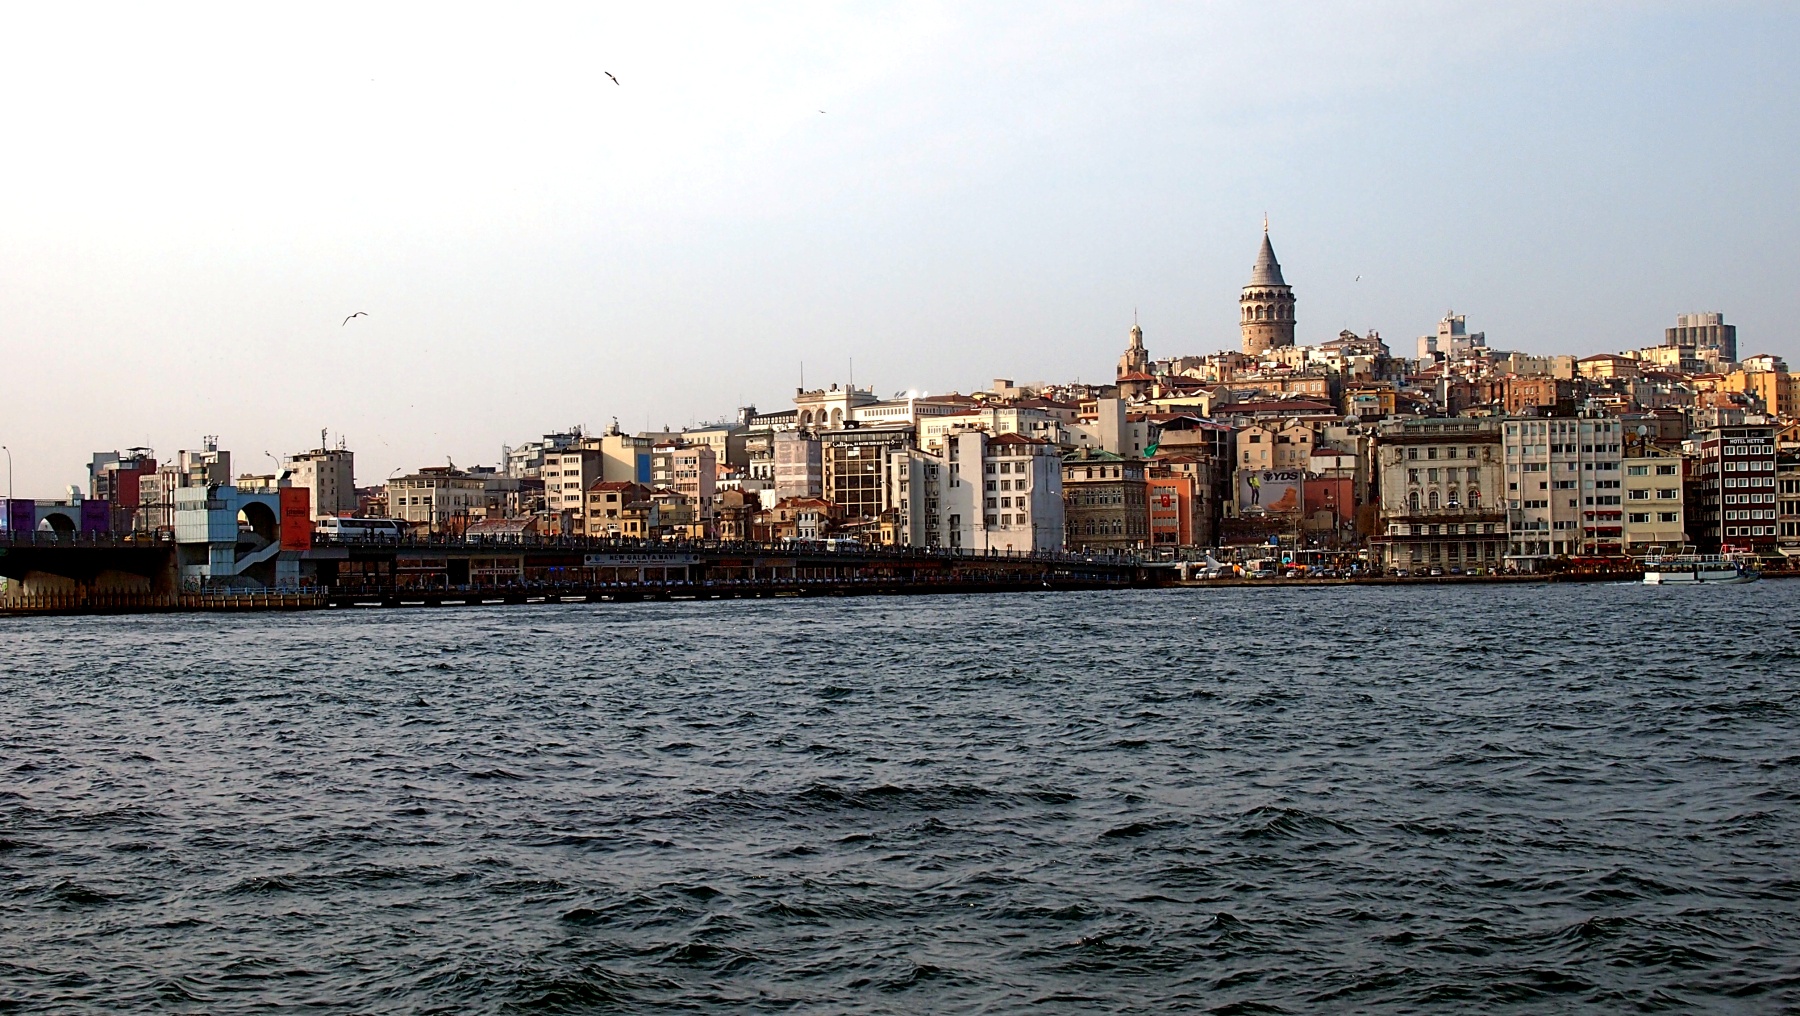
(1706, 334)
(1266, 305)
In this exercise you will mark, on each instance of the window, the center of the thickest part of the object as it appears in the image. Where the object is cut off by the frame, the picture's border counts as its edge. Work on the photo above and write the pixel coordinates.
(1637, 470)
(1668, 516)
(1640, 495)
(1431, 453)
(1668, 470)
(1667, 493)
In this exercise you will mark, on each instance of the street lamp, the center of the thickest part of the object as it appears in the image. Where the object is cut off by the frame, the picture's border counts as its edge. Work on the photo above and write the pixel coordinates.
(9, 490)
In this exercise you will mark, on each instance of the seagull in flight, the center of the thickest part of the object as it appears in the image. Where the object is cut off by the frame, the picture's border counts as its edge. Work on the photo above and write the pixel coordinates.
(610, 75)
(360, 313)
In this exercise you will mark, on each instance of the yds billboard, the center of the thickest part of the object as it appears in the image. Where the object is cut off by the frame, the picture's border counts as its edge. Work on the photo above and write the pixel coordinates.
(1269, 490)
(296, 518)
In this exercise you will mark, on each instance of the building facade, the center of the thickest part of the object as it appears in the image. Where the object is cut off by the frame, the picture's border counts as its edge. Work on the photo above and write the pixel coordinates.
(1564, 488)
(1439, 502)
(1732, 503)
(1105, 502)
(1653, 489)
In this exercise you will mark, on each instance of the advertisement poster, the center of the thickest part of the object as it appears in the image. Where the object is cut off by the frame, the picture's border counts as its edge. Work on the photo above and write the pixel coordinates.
(296, 518)
(1269, 491)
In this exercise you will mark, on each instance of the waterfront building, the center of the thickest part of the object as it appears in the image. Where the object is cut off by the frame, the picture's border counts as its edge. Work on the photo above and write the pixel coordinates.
(330, 474)
(1439, 507)
(435, 495)
(1654, 494)
(1266, 304)
(1105, 502)
(1564, 488)
(1731, 488)
(1787, 504)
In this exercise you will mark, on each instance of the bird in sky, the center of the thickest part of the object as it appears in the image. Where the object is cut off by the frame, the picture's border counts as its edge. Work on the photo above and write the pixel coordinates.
(1357, 279)
(610, 75)
(360, 313)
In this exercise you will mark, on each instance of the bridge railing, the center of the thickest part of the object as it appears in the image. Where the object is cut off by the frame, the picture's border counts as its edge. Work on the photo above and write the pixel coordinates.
(605, 544)
(52, 538)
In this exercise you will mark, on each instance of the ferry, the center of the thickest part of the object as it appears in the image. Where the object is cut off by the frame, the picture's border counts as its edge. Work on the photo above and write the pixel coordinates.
(1687, 569)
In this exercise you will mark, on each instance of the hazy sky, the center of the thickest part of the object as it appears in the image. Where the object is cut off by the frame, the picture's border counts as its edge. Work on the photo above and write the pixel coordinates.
(191, 201)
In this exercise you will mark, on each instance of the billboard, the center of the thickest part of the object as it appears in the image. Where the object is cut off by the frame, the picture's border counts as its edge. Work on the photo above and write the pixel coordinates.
(21, 515)
(296, 518)
(1269, 491)
(96, 516)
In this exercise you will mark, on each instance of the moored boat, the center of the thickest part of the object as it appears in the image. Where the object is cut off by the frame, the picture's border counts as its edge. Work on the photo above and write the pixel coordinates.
(1691, 569)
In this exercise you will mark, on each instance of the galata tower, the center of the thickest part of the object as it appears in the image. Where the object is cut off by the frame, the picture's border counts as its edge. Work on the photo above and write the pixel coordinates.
(1266, 308)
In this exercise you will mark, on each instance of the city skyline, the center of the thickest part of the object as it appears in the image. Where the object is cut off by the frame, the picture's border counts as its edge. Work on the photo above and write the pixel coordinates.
(980, 198)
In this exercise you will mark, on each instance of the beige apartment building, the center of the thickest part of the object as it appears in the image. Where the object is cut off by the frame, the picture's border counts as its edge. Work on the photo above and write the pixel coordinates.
(1653, 502)
(1440, 504)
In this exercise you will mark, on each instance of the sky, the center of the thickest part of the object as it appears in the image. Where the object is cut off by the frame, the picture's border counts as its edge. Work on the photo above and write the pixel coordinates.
(919, 196)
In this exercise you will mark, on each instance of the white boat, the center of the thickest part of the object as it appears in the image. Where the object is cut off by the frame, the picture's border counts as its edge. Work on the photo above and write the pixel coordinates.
(1689, 569)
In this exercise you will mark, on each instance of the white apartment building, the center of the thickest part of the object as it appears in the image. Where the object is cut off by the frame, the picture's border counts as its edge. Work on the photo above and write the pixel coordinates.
(330, 474)
(567, 475)
(982, 493)
(1564, 488)
(1654, 520)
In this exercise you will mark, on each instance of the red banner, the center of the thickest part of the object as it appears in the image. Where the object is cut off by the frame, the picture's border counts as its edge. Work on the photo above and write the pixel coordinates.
(296, 518)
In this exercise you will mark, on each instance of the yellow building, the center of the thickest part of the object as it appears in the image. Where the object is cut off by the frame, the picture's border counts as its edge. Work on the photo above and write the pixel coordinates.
(1653, 502)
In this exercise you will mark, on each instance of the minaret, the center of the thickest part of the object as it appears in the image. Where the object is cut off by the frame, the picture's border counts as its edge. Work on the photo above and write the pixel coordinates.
(1136, 359)
(1266, 307)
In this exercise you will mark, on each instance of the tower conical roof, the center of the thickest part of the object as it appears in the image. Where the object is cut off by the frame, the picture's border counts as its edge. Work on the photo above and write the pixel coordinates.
(1268, 270)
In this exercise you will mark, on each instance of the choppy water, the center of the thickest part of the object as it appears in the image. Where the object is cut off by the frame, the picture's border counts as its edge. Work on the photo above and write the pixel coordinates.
(1507, 799)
